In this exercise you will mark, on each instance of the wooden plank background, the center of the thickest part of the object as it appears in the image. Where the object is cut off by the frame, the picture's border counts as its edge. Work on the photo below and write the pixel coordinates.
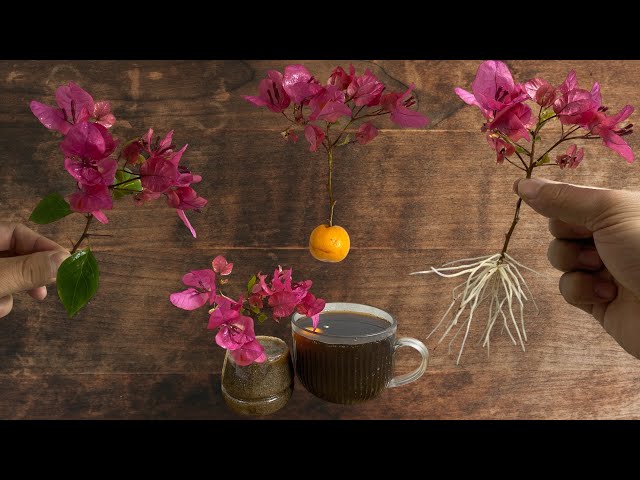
(410, 199)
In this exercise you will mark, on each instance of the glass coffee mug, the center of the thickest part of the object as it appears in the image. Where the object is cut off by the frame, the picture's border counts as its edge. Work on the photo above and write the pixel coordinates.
(349, 358)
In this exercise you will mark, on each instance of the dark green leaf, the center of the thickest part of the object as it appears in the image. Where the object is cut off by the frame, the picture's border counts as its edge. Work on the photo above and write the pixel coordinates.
(519, 149)
(252, 282)
(262, 317)
(126, 188)
(77, 280)
(51, 208)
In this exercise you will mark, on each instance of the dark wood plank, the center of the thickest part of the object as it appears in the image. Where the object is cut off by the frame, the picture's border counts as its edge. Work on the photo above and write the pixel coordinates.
(409, 200)
(197, 396)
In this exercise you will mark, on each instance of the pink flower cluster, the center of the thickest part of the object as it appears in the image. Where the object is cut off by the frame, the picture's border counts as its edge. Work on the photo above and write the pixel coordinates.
(160, 174)
(509, 119)
(344, 96)
(234, 319)
(88, 147)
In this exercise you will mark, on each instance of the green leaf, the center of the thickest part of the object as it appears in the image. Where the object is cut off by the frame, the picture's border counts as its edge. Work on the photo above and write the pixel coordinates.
(262, 317)
(546, 114)
(519, 149)
(252, 282)
(77, 280)
(51, 208)
(255, 309)
(544, 159)
(128, 188)
(346, 139)
(538, 138)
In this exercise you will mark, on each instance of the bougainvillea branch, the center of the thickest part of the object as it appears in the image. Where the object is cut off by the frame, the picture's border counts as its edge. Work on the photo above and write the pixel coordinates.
(325, 112)
(514, 133)
(234, 319)
(144, 168)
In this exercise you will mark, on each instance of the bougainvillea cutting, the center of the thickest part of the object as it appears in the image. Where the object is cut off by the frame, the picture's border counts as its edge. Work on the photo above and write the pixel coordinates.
(516, 114)
(145, 168)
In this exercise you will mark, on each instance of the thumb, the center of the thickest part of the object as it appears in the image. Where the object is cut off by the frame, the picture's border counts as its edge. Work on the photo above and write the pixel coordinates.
(589, 207)
(25, 272)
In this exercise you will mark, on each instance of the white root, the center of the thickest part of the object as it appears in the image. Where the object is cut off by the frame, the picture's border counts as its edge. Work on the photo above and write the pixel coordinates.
(488, 279)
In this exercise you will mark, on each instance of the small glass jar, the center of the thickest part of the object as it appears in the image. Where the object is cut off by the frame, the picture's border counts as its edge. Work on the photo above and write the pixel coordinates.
(259, 388)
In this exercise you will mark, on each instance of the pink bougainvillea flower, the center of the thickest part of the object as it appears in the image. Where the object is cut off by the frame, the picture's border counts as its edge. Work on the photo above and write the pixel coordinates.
(606, 127)
(261, 288)
(226, 310)
(89, 172)
(571, 158)
(299, 84)
(282, 279)
(328, 105)
(145, 196)
(540, 91)
(576, 106)
(289, 135)
(503, 149)
(187, 223)
(570, 83)
(158, 174)
(202, 285)
(185, 198)
(514, 121)
(493, 89)
(102, 114)
(366, 133)
(75, 105)
(90, 141)
(50, 117)
(221, 266)
(100, 216)
(397, 104)
(90, 198)
(284, 302)
(159, 147)
(311, 307)
(236, 332)
(365, 90)
(314, 136)
(255, 300)
(272, 93)
(340, 78)
(247, 354)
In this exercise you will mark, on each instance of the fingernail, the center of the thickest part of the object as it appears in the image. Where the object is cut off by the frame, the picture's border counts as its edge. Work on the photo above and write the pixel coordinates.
(589, 258)
(515, 185)
(606, 290)
(528, 188)
(56, 260)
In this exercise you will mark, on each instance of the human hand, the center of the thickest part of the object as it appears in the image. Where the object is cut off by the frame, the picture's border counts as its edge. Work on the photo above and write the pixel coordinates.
(597, 244)
(28, 261)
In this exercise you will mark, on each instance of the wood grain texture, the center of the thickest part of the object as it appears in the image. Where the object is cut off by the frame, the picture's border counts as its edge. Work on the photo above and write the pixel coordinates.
(410, 199)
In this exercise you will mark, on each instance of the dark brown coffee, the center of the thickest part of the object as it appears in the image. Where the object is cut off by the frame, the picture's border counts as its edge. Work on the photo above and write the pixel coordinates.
(337, 363)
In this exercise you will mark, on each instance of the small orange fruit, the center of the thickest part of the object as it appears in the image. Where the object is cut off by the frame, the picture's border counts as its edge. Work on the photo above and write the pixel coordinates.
(329, 244)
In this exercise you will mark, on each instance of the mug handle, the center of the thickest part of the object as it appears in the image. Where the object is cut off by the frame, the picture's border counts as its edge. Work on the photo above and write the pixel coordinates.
(417, 373)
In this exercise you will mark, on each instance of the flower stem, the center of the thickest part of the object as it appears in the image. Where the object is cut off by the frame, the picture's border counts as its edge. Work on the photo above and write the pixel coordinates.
(332, 202)
(84, 234)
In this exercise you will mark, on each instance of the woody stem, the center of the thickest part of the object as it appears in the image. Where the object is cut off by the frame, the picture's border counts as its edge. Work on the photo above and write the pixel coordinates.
(332, 202)
(84, 235)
